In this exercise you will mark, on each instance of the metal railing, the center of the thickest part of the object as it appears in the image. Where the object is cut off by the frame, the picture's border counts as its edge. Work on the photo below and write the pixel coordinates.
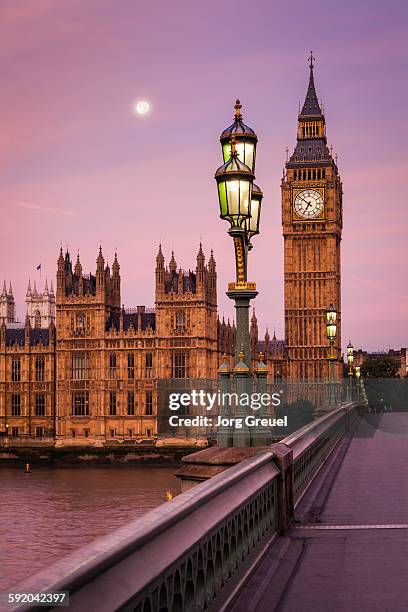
(192, 553)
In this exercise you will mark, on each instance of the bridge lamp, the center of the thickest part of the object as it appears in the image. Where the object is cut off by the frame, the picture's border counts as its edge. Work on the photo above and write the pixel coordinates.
(350, 357)
(234, 181)
(331, 323)
(358, 372)
(245, 139)
(350, 354)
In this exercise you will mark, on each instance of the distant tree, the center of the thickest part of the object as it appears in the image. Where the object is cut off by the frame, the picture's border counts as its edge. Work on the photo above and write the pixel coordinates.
(380, 367)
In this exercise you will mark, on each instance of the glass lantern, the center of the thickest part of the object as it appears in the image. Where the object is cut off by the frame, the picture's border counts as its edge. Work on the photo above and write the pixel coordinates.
(350, 354)
(234, 180)
(252, 224)
(331, 323)
(245, 139)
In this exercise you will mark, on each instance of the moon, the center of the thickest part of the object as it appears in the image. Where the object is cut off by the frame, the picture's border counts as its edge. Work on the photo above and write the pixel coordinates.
(141, 107)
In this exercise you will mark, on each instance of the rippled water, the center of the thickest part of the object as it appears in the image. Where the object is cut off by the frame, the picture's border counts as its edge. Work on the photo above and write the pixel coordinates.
(52, 511)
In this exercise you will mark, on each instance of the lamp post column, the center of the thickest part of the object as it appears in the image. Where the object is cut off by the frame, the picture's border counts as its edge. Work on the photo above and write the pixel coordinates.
(224, 433)
(331, 332)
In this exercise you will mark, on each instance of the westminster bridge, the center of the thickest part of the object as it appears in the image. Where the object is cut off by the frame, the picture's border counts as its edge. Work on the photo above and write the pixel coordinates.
(317, 522)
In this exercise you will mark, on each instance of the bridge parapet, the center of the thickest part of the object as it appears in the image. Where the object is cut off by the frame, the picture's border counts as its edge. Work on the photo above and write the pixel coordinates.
(193, 552)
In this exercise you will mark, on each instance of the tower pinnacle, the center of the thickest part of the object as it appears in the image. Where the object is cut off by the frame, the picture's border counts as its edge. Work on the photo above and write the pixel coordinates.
(311, 106)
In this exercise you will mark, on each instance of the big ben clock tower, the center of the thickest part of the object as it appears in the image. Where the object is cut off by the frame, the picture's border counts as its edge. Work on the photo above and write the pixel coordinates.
(312, 224)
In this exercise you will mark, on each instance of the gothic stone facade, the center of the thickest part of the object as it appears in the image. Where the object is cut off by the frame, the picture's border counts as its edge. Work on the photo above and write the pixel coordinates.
(94, 377)
(27, 381)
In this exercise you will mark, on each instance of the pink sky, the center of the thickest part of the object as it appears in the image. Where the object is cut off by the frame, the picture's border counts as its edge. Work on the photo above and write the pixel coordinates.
(79, 169)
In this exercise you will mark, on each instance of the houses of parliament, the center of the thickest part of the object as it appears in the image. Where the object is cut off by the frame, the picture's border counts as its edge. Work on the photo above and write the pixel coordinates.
(83, 369)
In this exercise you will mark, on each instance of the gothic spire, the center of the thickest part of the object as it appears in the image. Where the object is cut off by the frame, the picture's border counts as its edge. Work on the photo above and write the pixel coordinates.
(29, 287)
(4, 293)
(311, 106)
(115, 265)
(200, 256)
(172, 263)
(10, 290)
(78, 267)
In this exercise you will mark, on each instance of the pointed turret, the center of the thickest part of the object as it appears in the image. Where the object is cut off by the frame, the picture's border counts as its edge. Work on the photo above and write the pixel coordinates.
(212, 275)
(159, 258)
(46, 292)
(60, 262)
(4, 292)
(200, 257)
(172, 263)
(159, 272)
(100, 270)
(10, 290)
(116, 282)
(78, 267)
(311, 106)
(200, 269)
(60, 276)
(28, 294)
(311, 148)
(115, 266)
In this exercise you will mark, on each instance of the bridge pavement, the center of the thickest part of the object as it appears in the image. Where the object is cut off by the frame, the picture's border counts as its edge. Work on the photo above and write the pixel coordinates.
(348, 548)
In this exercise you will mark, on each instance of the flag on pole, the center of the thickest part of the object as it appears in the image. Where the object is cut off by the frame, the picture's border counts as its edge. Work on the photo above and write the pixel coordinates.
(39, 267)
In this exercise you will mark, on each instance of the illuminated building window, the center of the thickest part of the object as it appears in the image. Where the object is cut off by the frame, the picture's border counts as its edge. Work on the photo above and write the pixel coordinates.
(80, 403)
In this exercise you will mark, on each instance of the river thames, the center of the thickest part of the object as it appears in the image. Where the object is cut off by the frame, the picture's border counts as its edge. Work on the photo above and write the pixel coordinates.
(51, 512)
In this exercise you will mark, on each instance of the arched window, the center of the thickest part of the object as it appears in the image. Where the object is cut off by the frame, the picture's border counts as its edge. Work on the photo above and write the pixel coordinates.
(37, 319)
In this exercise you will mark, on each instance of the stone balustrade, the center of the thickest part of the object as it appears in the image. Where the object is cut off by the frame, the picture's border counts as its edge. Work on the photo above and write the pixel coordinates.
(193, 552)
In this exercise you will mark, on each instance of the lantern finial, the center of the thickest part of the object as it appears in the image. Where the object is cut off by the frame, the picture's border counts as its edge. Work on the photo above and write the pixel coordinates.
(238, 107)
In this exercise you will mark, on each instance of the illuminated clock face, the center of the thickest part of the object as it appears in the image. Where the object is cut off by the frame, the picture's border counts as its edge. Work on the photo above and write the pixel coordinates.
(308, 204)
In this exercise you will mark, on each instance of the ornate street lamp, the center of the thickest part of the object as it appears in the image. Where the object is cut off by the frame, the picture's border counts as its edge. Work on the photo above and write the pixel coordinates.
(235, 188)
(245, 139)
(240, 204)
(358, 372)
(350, 360)
(331, 332)
(350, 357)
